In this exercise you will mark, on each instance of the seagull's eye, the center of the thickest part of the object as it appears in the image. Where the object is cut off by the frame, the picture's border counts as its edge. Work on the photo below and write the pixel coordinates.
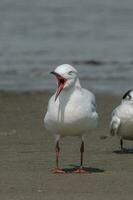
(70, 73)
(128, 97)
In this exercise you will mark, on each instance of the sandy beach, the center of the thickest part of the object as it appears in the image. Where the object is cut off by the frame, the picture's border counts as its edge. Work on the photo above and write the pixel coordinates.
(27, 155)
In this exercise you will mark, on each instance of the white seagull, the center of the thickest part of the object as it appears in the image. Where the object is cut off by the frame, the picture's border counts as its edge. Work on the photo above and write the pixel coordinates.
(122, 119)
(71, 110)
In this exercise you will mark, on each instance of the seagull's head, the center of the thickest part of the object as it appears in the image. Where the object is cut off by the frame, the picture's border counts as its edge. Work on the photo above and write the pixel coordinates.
(66, 76)
(128, 96)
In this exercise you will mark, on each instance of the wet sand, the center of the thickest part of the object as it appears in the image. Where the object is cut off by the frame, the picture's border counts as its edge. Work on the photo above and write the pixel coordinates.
(27, 155)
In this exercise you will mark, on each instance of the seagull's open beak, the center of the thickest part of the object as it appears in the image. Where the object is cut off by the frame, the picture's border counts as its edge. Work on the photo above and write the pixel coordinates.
(61, 82)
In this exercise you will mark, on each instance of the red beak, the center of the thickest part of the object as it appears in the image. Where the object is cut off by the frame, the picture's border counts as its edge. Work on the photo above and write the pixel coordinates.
(61, 82)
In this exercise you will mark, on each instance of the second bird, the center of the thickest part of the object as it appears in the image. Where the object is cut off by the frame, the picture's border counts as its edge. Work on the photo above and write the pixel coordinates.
(122, 119)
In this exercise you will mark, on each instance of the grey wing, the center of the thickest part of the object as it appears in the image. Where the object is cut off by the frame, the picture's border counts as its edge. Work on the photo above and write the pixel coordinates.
(114, 124)
(92, 99)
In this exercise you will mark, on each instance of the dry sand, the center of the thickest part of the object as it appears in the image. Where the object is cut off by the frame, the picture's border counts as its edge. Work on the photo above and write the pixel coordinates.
(27, 155)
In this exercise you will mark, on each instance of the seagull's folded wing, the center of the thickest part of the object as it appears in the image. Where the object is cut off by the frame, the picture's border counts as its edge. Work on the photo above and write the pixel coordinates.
(114, 125)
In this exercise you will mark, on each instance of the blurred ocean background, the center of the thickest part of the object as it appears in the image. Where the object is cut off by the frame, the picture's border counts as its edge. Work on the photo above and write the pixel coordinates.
(95, 36)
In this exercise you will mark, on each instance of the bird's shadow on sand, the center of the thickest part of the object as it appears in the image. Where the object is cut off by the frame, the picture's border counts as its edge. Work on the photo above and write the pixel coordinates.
(124, 151)
(87, 169)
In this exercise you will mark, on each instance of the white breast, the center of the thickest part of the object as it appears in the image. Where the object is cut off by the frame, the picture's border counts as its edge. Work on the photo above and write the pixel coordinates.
(74, 115)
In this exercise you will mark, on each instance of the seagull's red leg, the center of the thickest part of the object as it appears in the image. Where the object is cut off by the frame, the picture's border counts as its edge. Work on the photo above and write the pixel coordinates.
(81, 169)
(82, 152)
(57, 169)
(57, 149)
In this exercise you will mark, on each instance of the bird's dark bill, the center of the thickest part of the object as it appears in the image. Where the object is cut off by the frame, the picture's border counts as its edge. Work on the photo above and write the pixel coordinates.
(61, 82)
